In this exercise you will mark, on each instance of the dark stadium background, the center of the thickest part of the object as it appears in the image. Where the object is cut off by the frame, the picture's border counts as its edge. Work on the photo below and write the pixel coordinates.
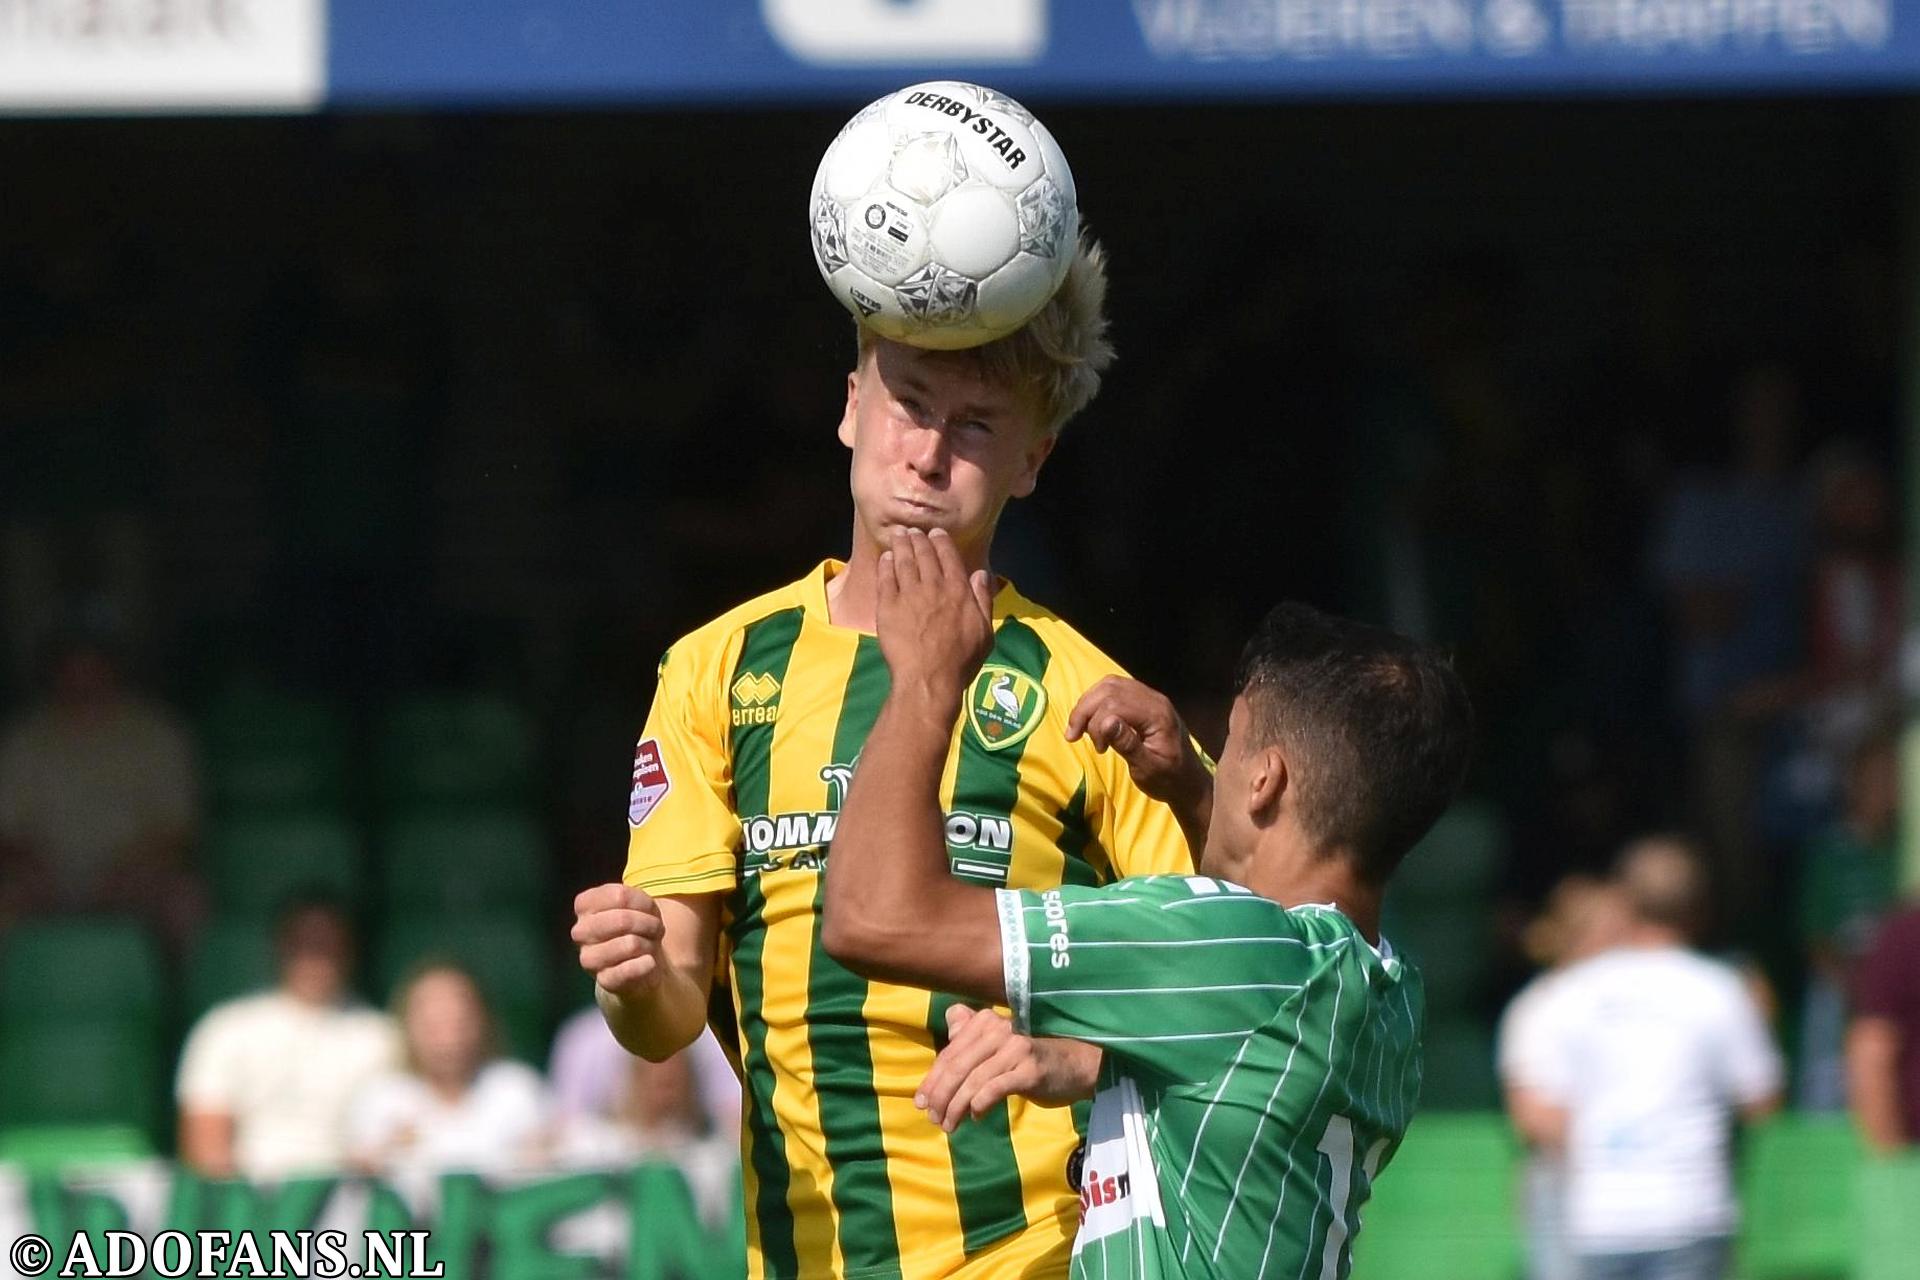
(502, 403)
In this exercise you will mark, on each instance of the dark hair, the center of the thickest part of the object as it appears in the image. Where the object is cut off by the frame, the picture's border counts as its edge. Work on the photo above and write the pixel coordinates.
(1376, 729)
(306, 900)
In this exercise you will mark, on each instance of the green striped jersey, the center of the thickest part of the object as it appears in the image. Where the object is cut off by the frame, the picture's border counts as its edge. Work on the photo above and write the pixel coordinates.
(1261, 1067)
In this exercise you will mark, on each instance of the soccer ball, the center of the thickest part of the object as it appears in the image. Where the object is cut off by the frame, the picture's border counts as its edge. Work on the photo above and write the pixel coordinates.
(944, 215)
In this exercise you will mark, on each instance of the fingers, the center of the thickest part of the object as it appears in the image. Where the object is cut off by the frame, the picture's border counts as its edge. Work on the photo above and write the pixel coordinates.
(943, 554)
(611, 897)
(603, 926)
(598, 957)
(631, 975)
(907, 564)
(1009, 1070)
(1092, 702)
(973, 1039)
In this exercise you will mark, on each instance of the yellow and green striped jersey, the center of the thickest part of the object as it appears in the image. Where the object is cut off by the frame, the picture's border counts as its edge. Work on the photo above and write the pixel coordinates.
(755, 727)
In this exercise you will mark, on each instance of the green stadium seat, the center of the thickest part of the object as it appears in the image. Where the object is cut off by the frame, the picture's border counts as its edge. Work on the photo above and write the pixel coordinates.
(1889, 1192)
(1798, 1178)
(53, 1149)
(105, 966)
(255, 863)
(233, 956)
(1444, 1208)
(79, 1073)
(507, 955)
(456, 748)
(269, 752)
(463, 860)
(1457, 1068)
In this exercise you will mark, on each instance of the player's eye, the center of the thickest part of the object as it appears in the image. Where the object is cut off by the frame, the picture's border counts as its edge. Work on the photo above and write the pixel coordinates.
(975, 426)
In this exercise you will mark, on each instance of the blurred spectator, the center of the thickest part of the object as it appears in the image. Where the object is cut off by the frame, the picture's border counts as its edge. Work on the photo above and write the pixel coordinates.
(1883, 1045)
(1641, 1056)
(1728, 553)
(98, 805)
(658, 1115)
(588, 1070)
(457, 1105)
(1855, 613)
(1584, 916)
(265, 1080)
(1849, 881)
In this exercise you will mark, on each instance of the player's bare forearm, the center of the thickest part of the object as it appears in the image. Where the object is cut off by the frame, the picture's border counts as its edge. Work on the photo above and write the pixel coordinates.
(1193, 809)
(659, 1023)
(893, 910)
(1141, 725)
(651, 959)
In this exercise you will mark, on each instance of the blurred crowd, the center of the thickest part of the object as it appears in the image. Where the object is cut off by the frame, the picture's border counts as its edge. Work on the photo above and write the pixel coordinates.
(355, 409)
(304, 1078)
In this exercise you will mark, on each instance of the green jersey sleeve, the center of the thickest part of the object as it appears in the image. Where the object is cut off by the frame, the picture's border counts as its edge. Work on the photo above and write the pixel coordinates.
(1169, 974)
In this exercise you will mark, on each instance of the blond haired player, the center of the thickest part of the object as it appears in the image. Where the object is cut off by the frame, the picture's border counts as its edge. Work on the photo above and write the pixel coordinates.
(758, 719)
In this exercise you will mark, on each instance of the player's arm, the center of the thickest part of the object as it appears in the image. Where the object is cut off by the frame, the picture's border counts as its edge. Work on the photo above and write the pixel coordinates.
(1540, 1121)
(893, 911)
(1139, 724)
(651, 940)
(652, 961)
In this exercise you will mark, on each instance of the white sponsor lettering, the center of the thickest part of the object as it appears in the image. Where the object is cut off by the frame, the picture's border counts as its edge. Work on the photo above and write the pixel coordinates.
(120, 54)
(1117, 1183)
(854, 32)
(1386, 30)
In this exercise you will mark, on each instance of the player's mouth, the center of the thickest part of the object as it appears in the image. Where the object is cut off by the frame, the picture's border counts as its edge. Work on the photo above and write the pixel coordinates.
(917, 511)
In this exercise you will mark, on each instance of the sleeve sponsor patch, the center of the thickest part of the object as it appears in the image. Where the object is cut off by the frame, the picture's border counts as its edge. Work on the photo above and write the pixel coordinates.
(650, 781)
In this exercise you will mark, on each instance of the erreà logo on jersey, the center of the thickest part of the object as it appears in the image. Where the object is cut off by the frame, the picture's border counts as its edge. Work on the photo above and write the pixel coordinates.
(756, 699)
(1004, 706)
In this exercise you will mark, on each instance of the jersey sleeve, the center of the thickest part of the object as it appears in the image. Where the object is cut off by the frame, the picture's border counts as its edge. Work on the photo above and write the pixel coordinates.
(682, 834)
(1167, 973)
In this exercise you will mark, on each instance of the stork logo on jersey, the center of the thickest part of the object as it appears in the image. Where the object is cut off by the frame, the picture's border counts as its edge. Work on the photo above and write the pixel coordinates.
(1004, 706)
(755, 699)
(650, 781)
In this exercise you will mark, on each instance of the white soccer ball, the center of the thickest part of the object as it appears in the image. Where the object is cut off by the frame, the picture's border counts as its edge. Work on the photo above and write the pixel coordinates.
(944, 215)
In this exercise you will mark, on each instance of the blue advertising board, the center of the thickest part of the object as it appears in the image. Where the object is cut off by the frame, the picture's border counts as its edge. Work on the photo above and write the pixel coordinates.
(476, 52)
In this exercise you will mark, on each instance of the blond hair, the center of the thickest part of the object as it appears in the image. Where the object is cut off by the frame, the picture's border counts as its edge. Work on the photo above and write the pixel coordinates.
(1665, 882)
(1058, 355)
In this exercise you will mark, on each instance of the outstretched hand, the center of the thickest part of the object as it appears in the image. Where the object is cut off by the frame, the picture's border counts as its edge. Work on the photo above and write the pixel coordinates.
(935, 619)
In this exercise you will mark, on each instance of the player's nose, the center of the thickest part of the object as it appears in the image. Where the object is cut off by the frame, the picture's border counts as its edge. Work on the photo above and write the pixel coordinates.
(927, 451)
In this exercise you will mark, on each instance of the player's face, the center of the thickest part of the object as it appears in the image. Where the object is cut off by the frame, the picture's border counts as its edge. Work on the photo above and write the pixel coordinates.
(936, 444)
(1231, 829)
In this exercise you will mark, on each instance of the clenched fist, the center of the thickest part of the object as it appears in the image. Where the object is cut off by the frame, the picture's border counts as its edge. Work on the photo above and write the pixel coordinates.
(619, 932)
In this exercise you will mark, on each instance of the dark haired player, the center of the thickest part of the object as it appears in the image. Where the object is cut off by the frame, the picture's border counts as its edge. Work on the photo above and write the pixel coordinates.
(1261, 1041)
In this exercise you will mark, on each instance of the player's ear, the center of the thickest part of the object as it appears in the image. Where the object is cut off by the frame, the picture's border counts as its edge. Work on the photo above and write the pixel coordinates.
(853, 407)
(1267, 781)
(1037, 454)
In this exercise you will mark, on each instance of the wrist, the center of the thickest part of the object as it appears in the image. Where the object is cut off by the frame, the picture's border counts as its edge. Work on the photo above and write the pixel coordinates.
(936, 697)
(1193, 788)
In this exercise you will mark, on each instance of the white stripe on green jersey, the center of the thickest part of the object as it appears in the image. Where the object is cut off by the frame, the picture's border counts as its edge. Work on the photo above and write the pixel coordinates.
(1261, 1067)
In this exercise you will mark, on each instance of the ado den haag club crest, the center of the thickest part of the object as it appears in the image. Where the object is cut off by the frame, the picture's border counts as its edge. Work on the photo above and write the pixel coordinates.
(1003, 706)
